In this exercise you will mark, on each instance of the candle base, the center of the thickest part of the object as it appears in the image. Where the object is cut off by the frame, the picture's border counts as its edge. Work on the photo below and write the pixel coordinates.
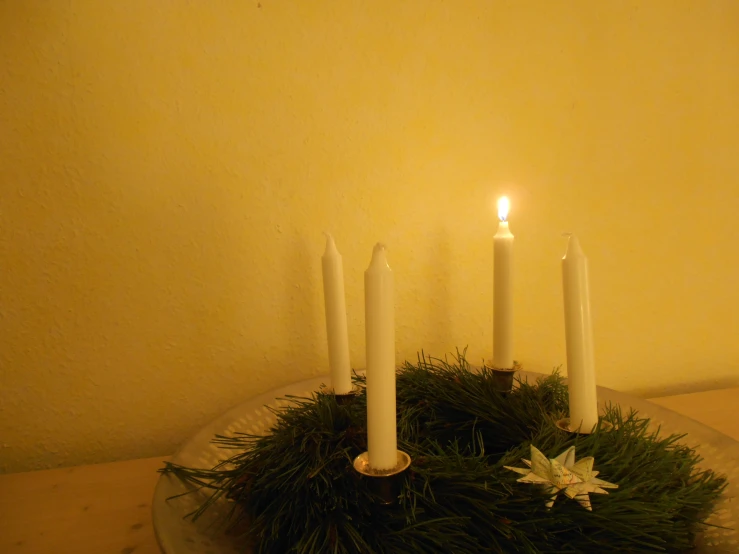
(503, 379)
(565, 425)
(384, 484)
(343, 398)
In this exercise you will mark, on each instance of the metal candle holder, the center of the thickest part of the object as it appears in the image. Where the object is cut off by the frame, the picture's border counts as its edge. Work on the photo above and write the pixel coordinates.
(503, 379)
(344, 398)
(385, 484)
(565, 425)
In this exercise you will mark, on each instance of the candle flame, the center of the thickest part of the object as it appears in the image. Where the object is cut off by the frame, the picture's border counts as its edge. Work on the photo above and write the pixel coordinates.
(503, 206)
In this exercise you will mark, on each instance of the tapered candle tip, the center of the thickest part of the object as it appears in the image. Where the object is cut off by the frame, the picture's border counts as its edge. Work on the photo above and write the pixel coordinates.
(573, 245)
(378, 256)
(330, 244)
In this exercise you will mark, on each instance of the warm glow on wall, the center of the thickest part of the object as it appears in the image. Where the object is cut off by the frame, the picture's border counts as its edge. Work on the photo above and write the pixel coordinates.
(168, 168)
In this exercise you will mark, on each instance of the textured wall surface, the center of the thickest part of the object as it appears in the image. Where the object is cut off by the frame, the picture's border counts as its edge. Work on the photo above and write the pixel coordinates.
(167, 169)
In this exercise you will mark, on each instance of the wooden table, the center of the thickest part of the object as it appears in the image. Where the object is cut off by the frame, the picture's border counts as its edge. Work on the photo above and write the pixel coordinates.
(100, 509)
(106, 508)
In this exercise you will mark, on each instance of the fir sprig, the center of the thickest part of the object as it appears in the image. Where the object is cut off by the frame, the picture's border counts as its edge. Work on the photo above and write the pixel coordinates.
(293, 490)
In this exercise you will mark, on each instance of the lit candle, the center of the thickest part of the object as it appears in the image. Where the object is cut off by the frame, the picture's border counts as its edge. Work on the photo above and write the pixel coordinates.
(336, 328)
(503, 291)
(382, 440)
(579, 336)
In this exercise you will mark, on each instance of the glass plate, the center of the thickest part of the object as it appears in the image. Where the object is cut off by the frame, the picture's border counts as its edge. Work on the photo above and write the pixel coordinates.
(177, 535)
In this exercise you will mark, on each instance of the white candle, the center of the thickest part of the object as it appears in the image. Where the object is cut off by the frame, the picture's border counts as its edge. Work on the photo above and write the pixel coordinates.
(579, 336)
(503, 291)
(336, 327)
(382, 440)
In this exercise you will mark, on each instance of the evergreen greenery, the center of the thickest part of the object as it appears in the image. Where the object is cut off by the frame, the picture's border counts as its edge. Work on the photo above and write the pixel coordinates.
(294, 490)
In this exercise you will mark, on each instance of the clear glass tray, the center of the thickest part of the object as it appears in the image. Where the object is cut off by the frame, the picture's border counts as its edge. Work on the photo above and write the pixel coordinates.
(180, 536)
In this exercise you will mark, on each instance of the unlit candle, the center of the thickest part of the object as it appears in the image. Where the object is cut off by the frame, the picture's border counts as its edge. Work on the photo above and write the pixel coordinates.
(579, 338)
(382, 441)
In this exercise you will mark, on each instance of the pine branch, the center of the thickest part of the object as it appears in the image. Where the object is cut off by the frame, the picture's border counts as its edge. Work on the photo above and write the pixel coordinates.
(296, 490)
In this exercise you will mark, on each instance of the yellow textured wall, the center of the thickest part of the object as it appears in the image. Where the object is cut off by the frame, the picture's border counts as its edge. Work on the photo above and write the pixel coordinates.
(167, 169)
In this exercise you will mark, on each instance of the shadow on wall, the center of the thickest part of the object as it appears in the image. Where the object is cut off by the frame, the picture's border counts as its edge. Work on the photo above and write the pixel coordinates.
(438, 275)
(302, 312)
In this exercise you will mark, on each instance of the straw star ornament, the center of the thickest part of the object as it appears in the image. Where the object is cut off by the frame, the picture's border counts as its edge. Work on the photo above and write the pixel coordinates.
(576, 478)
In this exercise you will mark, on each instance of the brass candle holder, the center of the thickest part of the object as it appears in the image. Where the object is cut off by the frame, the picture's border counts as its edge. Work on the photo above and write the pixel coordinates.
(503, 379)
(385, 484)
(565, 425)
(344, 398)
